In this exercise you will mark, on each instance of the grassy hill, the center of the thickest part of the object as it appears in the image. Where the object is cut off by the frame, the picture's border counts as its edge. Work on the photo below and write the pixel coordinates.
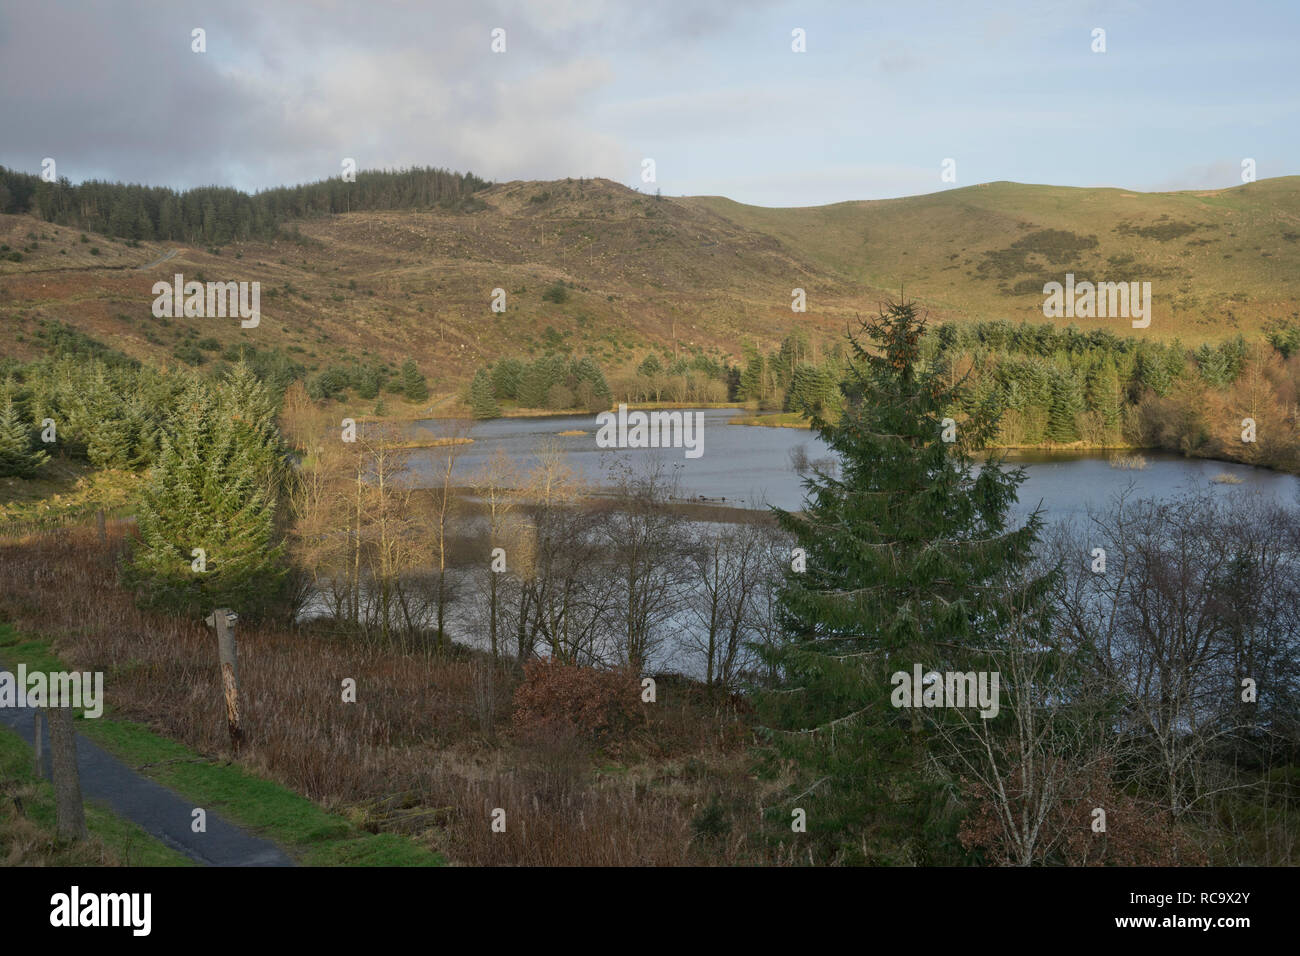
(631, 271)
(1219, 261)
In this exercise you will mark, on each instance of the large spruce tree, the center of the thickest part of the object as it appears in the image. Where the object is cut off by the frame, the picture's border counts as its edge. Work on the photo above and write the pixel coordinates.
(214, 487)
(912, 557)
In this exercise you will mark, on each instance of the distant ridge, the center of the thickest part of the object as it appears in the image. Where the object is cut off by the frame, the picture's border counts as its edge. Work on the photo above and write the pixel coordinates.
(215, 214)
(640, 271)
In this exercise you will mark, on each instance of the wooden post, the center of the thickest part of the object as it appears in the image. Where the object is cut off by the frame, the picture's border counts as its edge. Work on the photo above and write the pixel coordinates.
(102, 526)
(70, 815)
(223, 619)
(38, 744)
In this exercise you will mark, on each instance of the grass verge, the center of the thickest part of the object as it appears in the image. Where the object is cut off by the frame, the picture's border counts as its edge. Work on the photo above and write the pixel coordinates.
(28, 831)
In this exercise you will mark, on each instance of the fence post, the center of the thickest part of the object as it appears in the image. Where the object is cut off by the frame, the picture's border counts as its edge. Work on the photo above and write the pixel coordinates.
(69, 813)
(223, 620)
(39, 743)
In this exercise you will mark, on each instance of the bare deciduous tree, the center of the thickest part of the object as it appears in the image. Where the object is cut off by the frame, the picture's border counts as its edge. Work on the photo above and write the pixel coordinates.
(643, 543)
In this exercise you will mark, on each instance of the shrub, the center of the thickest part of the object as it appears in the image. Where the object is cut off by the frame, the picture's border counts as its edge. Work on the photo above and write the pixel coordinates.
(1138, 832)
(559, 398)
(331, 382)
(189, 354)
(602, 706)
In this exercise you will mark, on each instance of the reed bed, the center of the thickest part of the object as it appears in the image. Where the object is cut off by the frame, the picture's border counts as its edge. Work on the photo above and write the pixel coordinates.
(427, 749)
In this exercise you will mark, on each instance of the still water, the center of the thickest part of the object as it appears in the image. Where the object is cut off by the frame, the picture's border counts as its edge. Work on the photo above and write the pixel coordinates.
(748, 466)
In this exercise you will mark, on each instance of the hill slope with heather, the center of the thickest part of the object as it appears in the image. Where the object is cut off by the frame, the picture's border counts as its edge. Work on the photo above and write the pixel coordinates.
(592, 267)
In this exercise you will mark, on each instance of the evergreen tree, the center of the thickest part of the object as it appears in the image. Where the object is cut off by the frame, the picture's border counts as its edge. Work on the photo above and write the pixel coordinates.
(538, 379)
(1219, 365)
(1285, 337)
(507, 375)
(143, 225)
(481, 400)
(209, 490)
(650, 366)
(221, 213)
(586, 370)
(1063, 407)
(753, 380)
(18, 459)
(813, 390)
(110, 444)
(368, 383)
(911, 558)
(251, 408)
(795, 351)
(1156, 369)
(414, 387)
(1104, 393)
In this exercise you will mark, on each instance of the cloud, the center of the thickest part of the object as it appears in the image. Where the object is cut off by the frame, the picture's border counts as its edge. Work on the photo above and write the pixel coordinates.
(283, 93)
(708, 88)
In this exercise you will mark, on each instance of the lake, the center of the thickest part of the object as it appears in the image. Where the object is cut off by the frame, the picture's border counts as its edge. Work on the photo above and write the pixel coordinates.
(750, 466)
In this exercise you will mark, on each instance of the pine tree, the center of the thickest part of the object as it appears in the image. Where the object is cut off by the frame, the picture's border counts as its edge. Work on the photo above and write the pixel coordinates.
(209, 490)
(506, 377)
(168, 224)
(481, 400)
(752, 380)
(368, 383)
(650, 366)
(111, 443)
(1063, 406)
(18, 459)
(586, 371)
(414, 387)
(251, 410)
(1104, 393)
(536, 382)
(143, 225)
(911, 558)
(1153, 370)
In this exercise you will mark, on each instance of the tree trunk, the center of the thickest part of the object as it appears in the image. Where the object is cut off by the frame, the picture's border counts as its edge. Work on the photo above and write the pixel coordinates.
(442, 574)
(39, 744)
(228, 655)
(69, 812)
(492, 615)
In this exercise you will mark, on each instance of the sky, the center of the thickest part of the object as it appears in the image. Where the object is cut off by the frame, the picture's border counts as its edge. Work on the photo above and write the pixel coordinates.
(710, 90)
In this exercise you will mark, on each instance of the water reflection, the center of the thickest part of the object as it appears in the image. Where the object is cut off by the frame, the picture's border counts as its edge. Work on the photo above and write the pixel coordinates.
(749, 466)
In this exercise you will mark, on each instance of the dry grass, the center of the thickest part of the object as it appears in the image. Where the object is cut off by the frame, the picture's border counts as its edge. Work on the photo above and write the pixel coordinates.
(427, 749)
(1128, 462)
(23, 842)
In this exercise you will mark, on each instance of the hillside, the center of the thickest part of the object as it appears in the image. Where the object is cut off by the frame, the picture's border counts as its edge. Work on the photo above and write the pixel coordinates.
(641, 271)
(1219, 261)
